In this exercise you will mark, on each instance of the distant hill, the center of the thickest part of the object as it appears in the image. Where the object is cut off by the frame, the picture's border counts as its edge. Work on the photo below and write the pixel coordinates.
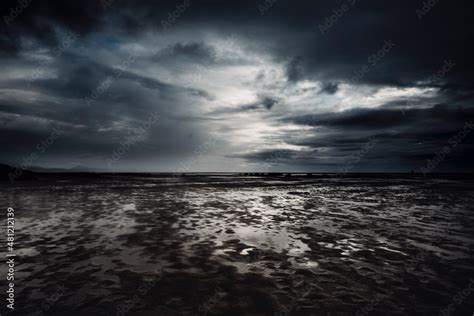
(75, 169)
(9, 173)
(50, 170)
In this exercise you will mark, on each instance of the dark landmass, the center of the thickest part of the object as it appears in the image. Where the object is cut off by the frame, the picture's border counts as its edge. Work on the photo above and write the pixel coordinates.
(8, 173)
(39, 173)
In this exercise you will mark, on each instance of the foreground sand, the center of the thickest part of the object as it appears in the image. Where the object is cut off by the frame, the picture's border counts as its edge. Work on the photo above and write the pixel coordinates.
(242, 245)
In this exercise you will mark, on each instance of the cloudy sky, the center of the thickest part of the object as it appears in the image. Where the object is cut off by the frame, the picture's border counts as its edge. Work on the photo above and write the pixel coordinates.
(273, 85)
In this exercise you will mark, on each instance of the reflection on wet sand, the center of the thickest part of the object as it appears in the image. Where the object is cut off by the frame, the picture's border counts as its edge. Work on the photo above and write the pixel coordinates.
(270, 245)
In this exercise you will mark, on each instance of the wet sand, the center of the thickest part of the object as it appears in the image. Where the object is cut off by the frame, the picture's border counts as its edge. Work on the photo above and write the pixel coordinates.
(242, 245)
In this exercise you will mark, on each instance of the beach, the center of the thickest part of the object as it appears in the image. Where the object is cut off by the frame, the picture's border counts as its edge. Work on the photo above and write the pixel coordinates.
(243, 245)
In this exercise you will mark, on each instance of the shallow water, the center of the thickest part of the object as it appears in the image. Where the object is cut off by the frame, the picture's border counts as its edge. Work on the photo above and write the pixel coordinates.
(243, 246)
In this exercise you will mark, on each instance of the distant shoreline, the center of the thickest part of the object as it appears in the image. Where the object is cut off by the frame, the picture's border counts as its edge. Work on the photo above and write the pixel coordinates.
(334, 177)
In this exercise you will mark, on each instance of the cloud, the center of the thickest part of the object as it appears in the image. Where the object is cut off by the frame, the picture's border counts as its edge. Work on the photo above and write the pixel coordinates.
(273, 84)
(437, 117)
(187, 52)
(294, 69)
(264, 103)
(330, 88)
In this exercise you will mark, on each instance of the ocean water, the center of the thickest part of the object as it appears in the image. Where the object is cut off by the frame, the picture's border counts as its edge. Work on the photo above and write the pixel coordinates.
(243, 245)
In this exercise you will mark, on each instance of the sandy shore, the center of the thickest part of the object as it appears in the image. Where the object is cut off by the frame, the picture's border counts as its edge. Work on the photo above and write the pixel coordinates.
(242, 245)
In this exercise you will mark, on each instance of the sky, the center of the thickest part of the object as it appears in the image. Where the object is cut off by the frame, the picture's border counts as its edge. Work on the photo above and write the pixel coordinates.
(241, 86)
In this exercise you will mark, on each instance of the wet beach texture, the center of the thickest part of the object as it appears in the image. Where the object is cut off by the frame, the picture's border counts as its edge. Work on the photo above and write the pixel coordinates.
(243, 245)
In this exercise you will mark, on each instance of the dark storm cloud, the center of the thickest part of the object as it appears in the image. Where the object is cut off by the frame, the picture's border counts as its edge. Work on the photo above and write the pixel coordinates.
(269, 156)
(77, 81)
(264, 103)
(294, 69)
(330, 88)
(353, 50)
(422, 45)
(440, 116)
(93, 130)
(187, 52)
(96, 139)
(404, 138)
(39, 19)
